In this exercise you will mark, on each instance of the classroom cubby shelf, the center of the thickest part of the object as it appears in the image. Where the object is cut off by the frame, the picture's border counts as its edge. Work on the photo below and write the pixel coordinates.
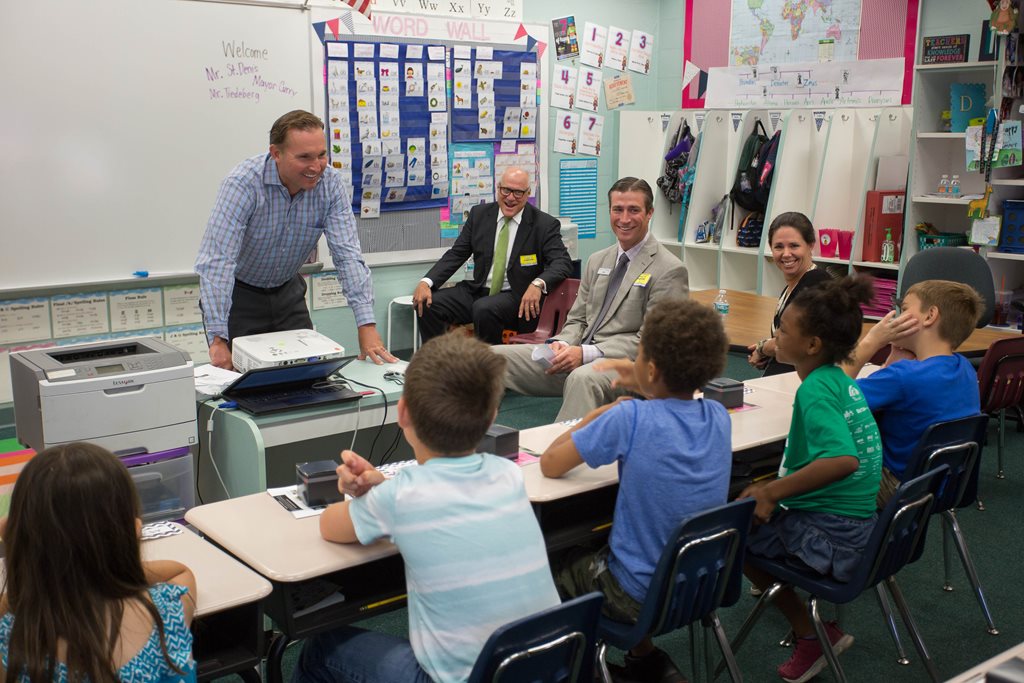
(823, 169)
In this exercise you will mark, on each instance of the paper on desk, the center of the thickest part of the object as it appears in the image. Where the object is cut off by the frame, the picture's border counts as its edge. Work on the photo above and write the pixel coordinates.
(211, 380)
(543, 354)
(301, 510)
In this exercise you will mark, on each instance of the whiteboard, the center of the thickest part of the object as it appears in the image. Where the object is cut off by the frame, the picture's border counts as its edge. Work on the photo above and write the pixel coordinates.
(113, 143)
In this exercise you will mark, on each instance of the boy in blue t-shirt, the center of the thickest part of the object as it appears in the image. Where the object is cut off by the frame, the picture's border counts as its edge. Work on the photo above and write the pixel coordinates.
(674, 454)
(474, 555)
(923, 381)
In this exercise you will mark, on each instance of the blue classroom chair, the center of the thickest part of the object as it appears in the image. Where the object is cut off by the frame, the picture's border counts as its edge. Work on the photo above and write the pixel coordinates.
(553, 646)
(897, 540)
(700, 570)
(956, 444)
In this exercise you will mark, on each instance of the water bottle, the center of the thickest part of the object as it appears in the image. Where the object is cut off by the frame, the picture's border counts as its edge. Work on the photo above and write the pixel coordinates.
(721, 304)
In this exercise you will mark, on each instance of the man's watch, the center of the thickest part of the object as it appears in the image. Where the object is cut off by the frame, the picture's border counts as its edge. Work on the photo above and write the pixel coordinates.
(538, 283)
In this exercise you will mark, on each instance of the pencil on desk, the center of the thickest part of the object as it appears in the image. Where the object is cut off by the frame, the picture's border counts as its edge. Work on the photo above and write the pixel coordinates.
(381, 603)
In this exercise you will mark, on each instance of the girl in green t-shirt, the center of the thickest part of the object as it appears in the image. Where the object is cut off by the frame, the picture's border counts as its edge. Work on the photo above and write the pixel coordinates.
(820, 511)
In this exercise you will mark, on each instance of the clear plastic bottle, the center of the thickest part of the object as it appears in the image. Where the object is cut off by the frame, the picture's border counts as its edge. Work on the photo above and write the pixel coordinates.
(721, 304)
(888, 247)
(954, 185)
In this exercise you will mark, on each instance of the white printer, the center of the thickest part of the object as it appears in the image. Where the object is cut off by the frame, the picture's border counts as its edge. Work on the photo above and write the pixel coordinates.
(290, 347)
(129, 396)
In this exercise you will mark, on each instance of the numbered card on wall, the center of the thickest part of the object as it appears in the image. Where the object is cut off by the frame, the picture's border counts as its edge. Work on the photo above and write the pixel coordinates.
(616, 54)
(588, 87)
(563, 87)
(592, 50)
(640, 52)
(591, 129)
(567, 133)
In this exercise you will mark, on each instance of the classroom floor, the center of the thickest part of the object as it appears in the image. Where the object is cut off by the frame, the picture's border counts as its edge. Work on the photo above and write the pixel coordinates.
(950, 623)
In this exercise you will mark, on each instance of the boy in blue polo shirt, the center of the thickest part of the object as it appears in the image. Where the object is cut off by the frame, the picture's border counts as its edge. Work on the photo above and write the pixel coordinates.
(474, 555)
(674, 454)
(923, 381)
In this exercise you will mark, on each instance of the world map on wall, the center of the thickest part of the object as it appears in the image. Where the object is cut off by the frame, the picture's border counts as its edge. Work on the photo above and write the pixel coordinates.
(782, 31)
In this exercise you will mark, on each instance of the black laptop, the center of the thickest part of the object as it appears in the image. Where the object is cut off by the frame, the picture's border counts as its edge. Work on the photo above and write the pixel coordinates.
(290, 387)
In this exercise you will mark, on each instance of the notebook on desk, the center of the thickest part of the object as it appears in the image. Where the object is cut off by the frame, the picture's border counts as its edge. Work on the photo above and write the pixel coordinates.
(290, 387)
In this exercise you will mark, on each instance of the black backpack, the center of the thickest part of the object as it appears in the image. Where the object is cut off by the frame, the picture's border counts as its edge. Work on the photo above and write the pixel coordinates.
(754, 173)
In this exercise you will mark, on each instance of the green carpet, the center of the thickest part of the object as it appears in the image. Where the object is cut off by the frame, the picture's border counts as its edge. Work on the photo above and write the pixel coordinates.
(950, 623)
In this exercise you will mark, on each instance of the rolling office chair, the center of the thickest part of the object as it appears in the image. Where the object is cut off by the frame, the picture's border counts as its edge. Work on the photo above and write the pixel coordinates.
(700, 570)
(958, 265)
(955, 444)
(552, 314)
(1001, 385)
(553, 646)
(897, 540)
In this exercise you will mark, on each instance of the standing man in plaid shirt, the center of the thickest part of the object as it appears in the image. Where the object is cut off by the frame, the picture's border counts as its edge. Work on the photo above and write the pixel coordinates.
(269, 214)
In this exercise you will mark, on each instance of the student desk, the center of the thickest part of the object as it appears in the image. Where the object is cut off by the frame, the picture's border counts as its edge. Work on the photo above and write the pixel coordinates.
(253, 452)
(290, 553)
(228, 622)
(750, 320)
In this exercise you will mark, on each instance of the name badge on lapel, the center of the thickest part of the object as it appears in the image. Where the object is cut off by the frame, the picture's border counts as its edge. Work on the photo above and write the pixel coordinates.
(604, 271)
(642, 279)
(528, 260)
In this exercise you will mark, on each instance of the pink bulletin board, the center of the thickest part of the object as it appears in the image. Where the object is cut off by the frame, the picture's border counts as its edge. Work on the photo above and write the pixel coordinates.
(888, 28)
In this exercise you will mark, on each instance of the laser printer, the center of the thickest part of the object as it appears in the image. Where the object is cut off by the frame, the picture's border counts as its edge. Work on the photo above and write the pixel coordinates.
(282, 348)
(131, 396)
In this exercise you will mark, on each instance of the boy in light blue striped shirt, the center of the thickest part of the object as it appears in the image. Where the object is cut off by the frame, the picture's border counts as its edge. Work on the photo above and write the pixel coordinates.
(474, 555)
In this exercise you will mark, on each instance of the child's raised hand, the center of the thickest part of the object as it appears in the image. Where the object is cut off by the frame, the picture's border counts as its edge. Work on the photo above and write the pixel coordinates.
(356, 475)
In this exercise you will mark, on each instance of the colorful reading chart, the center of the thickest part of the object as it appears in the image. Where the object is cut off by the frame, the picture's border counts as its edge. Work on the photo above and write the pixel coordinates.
(563, 87)
(616, 54)
(594, 39)
(588, 87)
(567, 133)
(640, 51)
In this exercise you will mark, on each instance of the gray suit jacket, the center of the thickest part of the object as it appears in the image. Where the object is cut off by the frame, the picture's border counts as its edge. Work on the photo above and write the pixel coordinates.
(619, 334)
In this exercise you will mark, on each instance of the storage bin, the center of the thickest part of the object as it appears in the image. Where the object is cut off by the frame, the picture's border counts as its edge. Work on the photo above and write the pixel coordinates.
(1011, 230)
(165, 482)
(943, 239)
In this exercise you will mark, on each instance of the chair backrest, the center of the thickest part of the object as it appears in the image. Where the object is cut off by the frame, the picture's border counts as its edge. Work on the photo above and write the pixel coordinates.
(953, 263)
(557, 645)
(956, 444)
(899, 533)
(1001, 375)
(700, 569)
(556, 307)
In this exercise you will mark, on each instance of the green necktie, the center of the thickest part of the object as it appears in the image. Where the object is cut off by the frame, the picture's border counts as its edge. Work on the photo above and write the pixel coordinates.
(500, 257)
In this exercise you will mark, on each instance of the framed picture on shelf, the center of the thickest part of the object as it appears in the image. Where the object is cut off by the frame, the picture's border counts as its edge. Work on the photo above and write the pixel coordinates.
(945, 49)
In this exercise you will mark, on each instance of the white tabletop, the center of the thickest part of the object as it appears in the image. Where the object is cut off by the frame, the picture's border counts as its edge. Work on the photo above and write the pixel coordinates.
(765, 420)
(222, 582)
(261, 533)
(258, 531)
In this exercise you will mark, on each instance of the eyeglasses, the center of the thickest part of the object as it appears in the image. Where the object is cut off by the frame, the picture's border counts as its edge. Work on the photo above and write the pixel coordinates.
(506, 191)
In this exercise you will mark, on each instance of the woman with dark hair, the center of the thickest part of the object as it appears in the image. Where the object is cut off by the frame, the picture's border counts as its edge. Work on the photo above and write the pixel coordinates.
(792, 238)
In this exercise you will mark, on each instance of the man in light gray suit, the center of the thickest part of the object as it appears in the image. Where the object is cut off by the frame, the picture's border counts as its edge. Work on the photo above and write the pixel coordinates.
(618, 286)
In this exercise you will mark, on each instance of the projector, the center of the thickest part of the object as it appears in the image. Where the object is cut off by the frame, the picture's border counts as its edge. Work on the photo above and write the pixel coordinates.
(282, 348)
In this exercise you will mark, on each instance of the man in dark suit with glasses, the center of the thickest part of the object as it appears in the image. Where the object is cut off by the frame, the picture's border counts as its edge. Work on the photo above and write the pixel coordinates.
(518, 257)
